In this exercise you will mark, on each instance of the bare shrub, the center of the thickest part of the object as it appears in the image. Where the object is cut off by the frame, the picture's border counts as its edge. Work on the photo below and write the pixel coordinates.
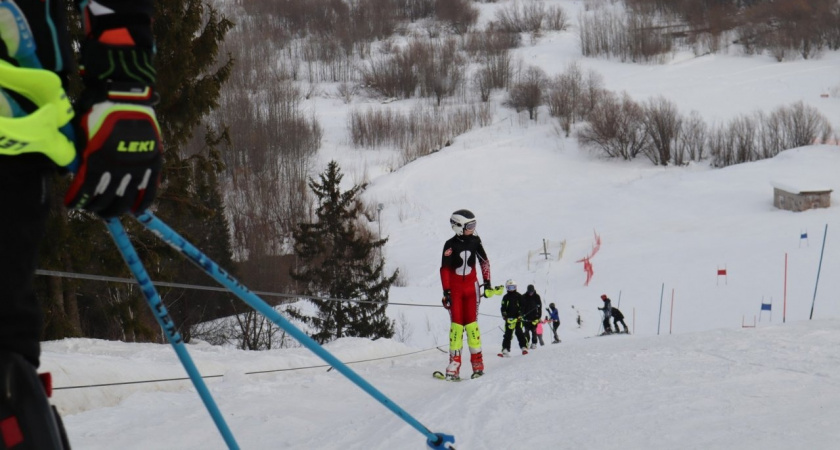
(214, 332)
(567, 96)
(663, 125)
(720, 147)
(593, 93)
(556, 19)
(346, 91)
(646, 37)
(804, 125)
(392, 76)
(428, 67)
(627, 36)
(422, 131)
(736, 142)
(760, 136)
(485, 44)
(793, 126)
(412, 10)
(376, 128)
(527, 93)
(615, 127)
(441, 68)
(255, 332)
(691, 143)
(461, 15)
(266, 167)
(510, 19)
(500, 69)
(530, 17)
(483, 83)
(789, 29)
(744, 133)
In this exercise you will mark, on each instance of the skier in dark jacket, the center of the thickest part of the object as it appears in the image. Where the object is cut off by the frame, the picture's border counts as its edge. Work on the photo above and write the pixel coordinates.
(554, 318)
(607, 309)
(512, 314)
(461, 292)
(112, 134)
(619, 318)
(531, 311)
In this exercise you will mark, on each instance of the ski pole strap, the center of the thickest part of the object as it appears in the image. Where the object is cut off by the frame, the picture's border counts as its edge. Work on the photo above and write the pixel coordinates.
(167, 325)
(158, 227)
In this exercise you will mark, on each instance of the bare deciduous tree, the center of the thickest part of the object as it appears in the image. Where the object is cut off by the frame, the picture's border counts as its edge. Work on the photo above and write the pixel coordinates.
(568, 96)
(663, 125)
(527, 94)
(615, 127)
(691, 143)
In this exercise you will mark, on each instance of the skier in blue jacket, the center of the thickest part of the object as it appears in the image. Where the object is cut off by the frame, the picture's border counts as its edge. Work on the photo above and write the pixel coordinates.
(554, 318)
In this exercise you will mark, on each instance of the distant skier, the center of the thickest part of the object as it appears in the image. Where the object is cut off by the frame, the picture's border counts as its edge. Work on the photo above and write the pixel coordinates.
(579, 319)
(619, 318)
(532, 312)
(512, 314)
(461, 293)
(607, 309)
(554, 319)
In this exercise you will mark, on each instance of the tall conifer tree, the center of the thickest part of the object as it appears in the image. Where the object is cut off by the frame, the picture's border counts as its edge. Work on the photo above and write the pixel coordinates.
(338, 259)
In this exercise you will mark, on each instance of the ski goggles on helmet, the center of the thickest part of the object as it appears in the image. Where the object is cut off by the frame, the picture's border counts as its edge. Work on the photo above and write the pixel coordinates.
(467, 226)
(511, 287)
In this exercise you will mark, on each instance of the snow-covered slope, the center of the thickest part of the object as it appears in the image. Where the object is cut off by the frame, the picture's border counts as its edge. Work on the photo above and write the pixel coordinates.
(689, 376)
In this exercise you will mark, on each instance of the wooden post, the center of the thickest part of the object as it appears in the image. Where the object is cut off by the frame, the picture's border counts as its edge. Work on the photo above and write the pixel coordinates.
(671, 329)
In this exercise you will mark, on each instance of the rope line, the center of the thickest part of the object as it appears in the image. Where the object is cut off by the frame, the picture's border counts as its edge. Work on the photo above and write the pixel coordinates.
(290, 369)
(83, 276)
(162, 380)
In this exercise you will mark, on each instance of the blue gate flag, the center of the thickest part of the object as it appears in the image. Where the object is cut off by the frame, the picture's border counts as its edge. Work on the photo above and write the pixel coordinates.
(766, 306)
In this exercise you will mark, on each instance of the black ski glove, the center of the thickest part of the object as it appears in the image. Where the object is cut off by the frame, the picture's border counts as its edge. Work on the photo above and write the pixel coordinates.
(447, 299)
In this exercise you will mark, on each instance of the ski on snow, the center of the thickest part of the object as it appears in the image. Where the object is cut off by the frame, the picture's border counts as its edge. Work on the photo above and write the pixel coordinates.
(440, 376)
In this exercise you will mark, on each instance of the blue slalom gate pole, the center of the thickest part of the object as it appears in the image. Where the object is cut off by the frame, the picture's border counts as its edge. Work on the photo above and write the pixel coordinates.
(819, 269)
(158, 227)
(165, 322)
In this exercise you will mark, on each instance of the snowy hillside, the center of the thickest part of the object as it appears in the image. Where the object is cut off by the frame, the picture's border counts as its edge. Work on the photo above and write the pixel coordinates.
(689, 377)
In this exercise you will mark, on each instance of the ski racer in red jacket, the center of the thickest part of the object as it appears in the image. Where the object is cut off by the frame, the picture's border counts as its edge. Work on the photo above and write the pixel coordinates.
(461, 293)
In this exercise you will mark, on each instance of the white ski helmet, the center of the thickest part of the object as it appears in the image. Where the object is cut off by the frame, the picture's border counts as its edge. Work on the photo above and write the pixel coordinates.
(510, 285)
(461, 220)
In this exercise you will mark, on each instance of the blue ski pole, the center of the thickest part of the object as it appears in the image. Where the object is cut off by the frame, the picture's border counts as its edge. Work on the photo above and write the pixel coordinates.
(151, 222)
(165, 322)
